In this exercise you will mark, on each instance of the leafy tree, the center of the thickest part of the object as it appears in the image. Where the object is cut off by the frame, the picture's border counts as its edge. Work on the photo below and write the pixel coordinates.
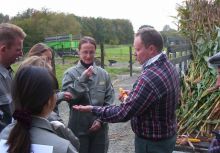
(4, 18)
(40, 24)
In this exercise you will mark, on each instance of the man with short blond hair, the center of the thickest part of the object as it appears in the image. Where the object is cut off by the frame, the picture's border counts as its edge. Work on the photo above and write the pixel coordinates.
(11, 45)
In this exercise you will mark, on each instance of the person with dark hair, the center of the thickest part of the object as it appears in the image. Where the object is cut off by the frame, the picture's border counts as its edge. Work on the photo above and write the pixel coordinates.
(89, 84)
(214, 62)
(151, 104)
(55, 120)
(11, 45)
(214, 147)
(34, 98)
(145, 26)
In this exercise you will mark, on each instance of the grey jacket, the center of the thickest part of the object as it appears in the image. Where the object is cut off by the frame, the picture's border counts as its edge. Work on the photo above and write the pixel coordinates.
(42, 133)
(96, 90)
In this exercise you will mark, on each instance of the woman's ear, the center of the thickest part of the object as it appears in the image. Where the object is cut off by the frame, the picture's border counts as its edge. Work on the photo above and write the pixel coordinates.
(52, 102)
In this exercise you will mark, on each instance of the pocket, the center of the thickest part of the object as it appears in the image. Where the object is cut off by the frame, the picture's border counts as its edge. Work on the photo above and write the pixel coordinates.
(98, 95)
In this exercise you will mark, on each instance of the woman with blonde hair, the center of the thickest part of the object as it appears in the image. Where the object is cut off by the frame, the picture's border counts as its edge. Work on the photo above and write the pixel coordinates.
(42, 50)
(45, 52)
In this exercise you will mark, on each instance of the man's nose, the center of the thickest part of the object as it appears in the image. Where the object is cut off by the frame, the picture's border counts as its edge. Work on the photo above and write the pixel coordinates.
(135, 54)
(20, 53)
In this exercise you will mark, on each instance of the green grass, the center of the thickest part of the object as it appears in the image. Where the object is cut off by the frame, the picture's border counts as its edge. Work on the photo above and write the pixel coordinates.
(118, 53)
(60, 69)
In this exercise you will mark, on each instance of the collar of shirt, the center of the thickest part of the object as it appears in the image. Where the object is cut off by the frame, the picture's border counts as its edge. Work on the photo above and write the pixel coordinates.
(151, 60)
(5, 72)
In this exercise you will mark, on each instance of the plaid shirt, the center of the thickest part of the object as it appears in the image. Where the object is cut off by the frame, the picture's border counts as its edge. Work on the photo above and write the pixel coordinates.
(151, 103)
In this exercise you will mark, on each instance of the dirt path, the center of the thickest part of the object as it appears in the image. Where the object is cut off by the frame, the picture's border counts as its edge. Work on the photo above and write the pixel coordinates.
(120, 134)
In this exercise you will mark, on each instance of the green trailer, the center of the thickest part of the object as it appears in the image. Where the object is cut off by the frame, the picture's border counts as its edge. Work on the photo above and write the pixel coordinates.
(64, 44)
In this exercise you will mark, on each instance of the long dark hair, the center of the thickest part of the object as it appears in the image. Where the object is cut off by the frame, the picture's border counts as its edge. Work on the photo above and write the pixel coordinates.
(31, 89)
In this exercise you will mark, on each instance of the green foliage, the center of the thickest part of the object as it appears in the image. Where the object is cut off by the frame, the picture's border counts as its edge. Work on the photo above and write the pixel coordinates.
(115, 31)
(41, 24)
(4, 18)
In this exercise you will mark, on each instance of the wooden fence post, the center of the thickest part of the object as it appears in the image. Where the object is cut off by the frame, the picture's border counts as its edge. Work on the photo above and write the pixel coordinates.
(53, 63)
(130, 61)
(102, 55)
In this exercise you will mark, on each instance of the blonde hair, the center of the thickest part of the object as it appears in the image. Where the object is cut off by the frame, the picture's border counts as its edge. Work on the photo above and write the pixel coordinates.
(38, 49)
(10, 32)
(35, 61)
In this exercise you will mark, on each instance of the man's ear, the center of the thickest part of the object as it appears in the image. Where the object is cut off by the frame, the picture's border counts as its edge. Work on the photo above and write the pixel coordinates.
(152, 48)
(2, 49)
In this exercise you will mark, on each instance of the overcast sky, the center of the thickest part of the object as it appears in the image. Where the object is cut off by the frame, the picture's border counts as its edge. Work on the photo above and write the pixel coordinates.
(152, 12)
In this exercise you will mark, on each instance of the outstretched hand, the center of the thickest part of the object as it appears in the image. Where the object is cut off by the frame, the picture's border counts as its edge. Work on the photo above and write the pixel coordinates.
(81, 108)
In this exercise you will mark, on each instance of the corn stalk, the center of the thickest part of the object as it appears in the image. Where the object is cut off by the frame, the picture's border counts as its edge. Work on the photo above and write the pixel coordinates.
(199, 105)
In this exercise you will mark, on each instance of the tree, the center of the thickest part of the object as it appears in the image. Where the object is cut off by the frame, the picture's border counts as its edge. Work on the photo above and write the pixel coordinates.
(166, 28)
(40, 24)
(4, 18)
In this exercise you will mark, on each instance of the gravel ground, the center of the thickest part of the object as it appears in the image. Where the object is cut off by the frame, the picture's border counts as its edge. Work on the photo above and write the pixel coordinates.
(120, 134)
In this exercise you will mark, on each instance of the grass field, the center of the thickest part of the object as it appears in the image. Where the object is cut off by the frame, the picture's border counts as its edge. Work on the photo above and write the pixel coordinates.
(118, 53)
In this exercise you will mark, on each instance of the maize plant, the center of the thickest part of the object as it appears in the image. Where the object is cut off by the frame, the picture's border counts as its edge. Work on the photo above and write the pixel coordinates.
(199, 108)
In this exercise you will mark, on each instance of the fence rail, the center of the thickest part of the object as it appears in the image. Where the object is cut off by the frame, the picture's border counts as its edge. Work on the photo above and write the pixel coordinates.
(180, 56)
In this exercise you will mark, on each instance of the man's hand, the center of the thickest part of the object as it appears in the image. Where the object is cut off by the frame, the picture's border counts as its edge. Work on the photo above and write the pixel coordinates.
(81, 108)
(122, 96)
(95, 126)
(68, 95)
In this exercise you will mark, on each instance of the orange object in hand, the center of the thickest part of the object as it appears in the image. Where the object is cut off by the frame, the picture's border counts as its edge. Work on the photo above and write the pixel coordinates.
(194, 140)
(123, 93)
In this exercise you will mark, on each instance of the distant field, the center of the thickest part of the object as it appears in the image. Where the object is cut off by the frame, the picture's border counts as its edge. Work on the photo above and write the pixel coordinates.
(119, 53)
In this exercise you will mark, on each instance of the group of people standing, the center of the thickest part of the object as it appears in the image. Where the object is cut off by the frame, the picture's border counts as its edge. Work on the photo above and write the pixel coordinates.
(29, 102)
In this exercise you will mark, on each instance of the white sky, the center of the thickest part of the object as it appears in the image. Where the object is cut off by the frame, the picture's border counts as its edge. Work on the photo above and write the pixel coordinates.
(152, 12)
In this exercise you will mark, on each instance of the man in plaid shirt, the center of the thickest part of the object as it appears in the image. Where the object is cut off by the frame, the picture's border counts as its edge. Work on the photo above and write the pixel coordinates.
(152, 102)
(215, 144)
